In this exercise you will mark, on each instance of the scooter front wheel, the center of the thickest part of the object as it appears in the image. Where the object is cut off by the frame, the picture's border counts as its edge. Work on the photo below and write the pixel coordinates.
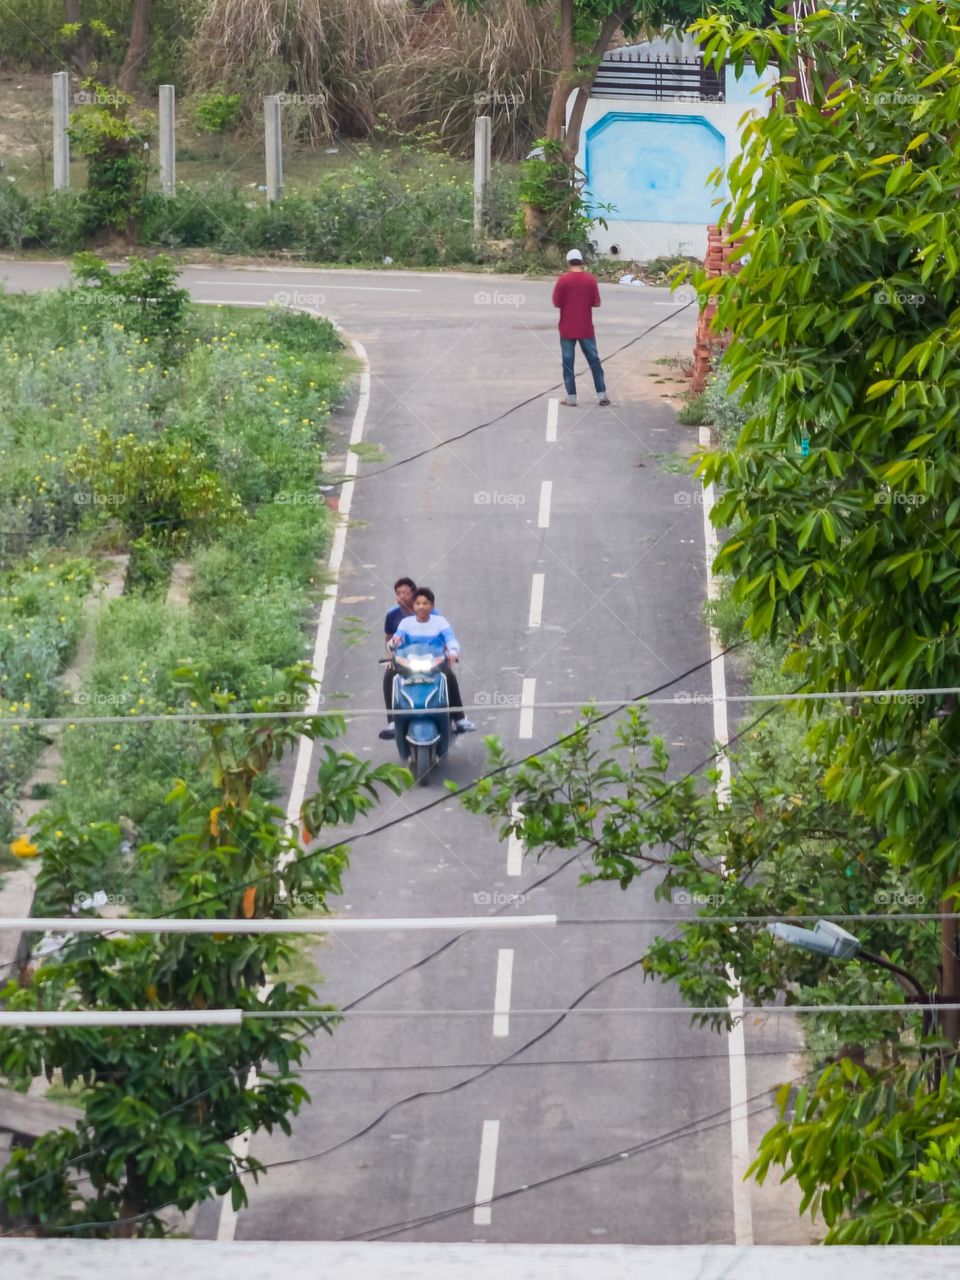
(421, 762)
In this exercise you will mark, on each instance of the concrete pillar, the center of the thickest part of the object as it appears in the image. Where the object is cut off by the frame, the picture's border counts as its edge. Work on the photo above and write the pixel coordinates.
(61, 123)
(482, 134)
(271, 123)
(168, 139)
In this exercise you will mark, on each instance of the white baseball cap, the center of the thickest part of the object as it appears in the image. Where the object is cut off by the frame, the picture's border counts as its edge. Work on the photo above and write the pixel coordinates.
(574, 256)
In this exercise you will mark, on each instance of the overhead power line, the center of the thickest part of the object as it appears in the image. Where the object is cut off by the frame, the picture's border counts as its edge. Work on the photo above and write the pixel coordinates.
(508, 706)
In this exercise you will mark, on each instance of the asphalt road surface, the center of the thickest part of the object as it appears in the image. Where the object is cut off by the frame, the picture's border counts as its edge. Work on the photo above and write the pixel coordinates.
(569, 556)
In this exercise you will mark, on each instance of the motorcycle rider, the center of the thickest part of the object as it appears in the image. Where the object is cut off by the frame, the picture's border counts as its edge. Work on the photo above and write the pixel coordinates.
(431, 629)
(404, 589)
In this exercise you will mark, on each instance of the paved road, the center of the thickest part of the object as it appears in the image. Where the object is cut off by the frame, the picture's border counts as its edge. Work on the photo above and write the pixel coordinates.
(622, 565)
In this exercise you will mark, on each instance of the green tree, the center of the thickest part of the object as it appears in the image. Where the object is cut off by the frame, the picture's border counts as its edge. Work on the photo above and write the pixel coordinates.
(844, 331)
(587, 29)
(160, 1106)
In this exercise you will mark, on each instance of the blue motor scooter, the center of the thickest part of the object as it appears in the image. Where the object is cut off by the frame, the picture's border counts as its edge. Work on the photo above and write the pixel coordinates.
(420, 686)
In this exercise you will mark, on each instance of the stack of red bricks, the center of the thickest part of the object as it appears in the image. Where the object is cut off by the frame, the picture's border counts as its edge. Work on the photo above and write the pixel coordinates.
(720, 260)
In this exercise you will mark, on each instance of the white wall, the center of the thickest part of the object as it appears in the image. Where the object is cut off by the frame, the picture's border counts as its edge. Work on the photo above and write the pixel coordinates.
(643, 240)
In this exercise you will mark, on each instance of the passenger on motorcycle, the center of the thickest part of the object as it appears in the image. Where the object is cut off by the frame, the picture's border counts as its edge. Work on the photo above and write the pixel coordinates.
(429, 628)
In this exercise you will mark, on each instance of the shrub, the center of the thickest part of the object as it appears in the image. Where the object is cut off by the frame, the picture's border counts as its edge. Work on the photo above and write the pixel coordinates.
(112, 140)
(216, 111)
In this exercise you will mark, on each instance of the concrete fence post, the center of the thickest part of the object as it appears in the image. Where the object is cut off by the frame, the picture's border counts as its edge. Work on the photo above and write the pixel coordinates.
(168, 139)
(274, 151)
(61, 123)
(482, 134)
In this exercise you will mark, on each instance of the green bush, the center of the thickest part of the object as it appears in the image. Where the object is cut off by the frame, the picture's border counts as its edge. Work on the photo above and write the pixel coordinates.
(216, 111)
(61, 221)
(694, 412)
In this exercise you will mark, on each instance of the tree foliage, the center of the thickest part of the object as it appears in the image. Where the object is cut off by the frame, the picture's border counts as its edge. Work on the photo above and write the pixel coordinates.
(844, 323)
(160, 1106)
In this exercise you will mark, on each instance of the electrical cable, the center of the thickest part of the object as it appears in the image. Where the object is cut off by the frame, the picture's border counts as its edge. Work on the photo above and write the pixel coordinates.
(692, 1129)
(334, 482)
(678, 700)
(522, 404)
(455, 793)
(549, 876)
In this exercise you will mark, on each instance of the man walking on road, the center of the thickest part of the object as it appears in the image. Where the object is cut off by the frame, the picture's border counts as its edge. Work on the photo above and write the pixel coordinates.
(576, 294)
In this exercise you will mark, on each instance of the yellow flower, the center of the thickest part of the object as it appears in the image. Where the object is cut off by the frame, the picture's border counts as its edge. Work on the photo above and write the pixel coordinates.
(22, 848)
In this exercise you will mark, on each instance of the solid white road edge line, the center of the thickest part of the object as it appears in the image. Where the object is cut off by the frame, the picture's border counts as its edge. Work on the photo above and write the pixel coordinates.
(543, 515)
(553, 412)
(487, 1172)
(501, 995)
(736, 1044)
(527, 698)
(536, 600)
(227, 1226)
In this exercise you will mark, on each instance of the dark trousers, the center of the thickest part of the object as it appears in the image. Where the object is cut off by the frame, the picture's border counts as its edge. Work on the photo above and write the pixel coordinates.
(568, 348)
(453, 692)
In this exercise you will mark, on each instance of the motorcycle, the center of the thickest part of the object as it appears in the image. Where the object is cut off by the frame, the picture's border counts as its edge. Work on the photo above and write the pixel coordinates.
(421, 686)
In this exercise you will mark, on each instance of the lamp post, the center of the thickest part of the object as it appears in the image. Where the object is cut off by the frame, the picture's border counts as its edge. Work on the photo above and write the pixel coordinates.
(829, 939)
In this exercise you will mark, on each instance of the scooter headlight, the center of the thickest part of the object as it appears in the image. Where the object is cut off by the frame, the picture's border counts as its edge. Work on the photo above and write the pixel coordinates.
(419, 663)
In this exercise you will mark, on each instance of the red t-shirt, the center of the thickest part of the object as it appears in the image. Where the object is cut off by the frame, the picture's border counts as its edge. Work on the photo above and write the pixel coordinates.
(576, 294)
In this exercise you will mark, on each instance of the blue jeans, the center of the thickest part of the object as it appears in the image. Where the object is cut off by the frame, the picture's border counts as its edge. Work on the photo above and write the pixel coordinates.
(568, 349)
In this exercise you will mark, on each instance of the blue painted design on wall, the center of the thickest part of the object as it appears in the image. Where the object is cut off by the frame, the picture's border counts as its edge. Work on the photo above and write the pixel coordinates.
(654, 168)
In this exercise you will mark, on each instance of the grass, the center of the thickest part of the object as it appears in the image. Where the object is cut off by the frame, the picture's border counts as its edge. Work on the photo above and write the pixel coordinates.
(248, 393)
(694, 412)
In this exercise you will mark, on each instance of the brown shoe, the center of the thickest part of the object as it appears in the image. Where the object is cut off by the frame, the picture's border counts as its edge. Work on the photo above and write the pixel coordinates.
(571, 404)
(604, 400)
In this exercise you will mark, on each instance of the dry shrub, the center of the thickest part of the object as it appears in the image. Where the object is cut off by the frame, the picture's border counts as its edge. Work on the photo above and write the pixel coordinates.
(354, 62)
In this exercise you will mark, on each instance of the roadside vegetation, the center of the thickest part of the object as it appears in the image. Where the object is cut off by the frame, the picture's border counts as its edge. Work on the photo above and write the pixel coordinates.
(175, 436)
(191, 443)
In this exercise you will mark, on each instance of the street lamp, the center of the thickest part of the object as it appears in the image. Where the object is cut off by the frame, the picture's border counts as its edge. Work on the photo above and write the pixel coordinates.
(828, 939)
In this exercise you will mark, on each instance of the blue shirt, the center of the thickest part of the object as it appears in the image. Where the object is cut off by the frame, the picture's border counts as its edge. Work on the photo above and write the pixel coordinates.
(436, 633)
